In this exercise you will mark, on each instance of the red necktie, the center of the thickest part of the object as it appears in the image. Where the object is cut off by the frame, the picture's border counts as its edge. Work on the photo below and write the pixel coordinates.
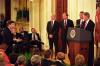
(83, 25)
(52, 24)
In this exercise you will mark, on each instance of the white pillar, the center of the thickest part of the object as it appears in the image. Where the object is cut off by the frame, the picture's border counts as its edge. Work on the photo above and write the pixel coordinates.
(45, 12)
(34, 14)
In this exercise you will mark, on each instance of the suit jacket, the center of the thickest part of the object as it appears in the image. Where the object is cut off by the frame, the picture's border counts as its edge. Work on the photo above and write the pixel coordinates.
(7, 36)
(18, 35)
(90, 27)
(5, 57)
(24, 36)
(37, 34)
(53, 30)
(63, 30)
(46, 62)
(78, 23)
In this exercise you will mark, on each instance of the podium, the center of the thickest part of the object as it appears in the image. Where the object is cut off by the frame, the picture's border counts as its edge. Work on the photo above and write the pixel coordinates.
(78, 40)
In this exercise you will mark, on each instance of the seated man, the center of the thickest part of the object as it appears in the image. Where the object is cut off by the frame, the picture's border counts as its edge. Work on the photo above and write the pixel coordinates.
(24, 44)
(23, 34)
(34, 36)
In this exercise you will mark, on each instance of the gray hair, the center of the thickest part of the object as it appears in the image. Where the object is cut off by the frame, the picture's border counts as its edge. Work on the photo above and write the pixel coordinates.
(35, 59)
(21, 59)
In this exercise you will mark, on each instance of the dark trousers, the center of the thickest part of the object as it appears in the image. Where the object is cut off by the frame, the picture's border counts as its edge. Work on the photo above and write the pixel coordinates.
(91, 54)
(64, 46)
(10, 53)
(55, 43)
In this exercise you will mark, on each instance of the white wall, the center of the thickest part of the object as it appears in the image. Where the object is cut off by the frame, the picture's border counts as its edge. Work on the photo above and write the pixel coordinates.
(2, 6)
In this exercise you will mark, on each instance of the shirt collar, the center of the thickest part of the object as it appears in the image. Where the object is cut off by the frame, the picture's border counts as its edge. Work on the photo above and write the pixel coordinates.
(65, 20)
(53, 21)
(87, 21)
(81, 20)
(59, 60)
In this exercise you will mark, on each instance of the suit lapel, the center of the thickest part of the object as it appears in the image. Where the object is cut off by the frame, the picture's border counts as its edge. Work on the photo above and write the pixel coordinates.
(63, 24)
(86, 26)
(53, 25)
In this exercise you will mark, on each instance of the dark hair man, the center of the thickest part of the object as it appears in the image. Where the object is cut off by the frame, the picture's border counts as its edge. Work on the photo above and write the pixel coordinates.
(64, 25)
(79, 21)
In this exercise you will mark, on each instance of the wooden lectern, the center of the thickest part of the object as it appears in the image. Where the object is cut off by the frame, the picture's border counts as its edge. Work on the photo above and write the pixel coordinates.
(78, 40)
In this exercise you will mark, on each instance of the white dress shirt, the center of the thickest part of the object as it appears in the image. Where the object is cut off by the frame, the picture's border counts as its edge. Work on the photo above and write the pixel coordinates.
(34, 36)
(86, 23)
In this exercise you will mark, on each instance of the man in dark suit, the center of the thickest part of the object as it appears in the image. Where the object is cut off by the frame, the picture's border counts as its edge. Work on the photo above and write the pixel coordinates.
(52, 30)
(8, 36)
(79, 21)
(89, 26)
(65, 24)
(24, 44)
(34, 36)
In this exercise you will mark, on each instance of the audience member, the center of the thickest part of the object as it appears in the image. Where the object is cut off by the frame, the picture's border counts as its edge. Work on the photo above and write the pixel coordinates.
(36, 60)
(21, 61)
(60, 59)
(4, 60)
(7, 35)
(47, 58)
(79, 60)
